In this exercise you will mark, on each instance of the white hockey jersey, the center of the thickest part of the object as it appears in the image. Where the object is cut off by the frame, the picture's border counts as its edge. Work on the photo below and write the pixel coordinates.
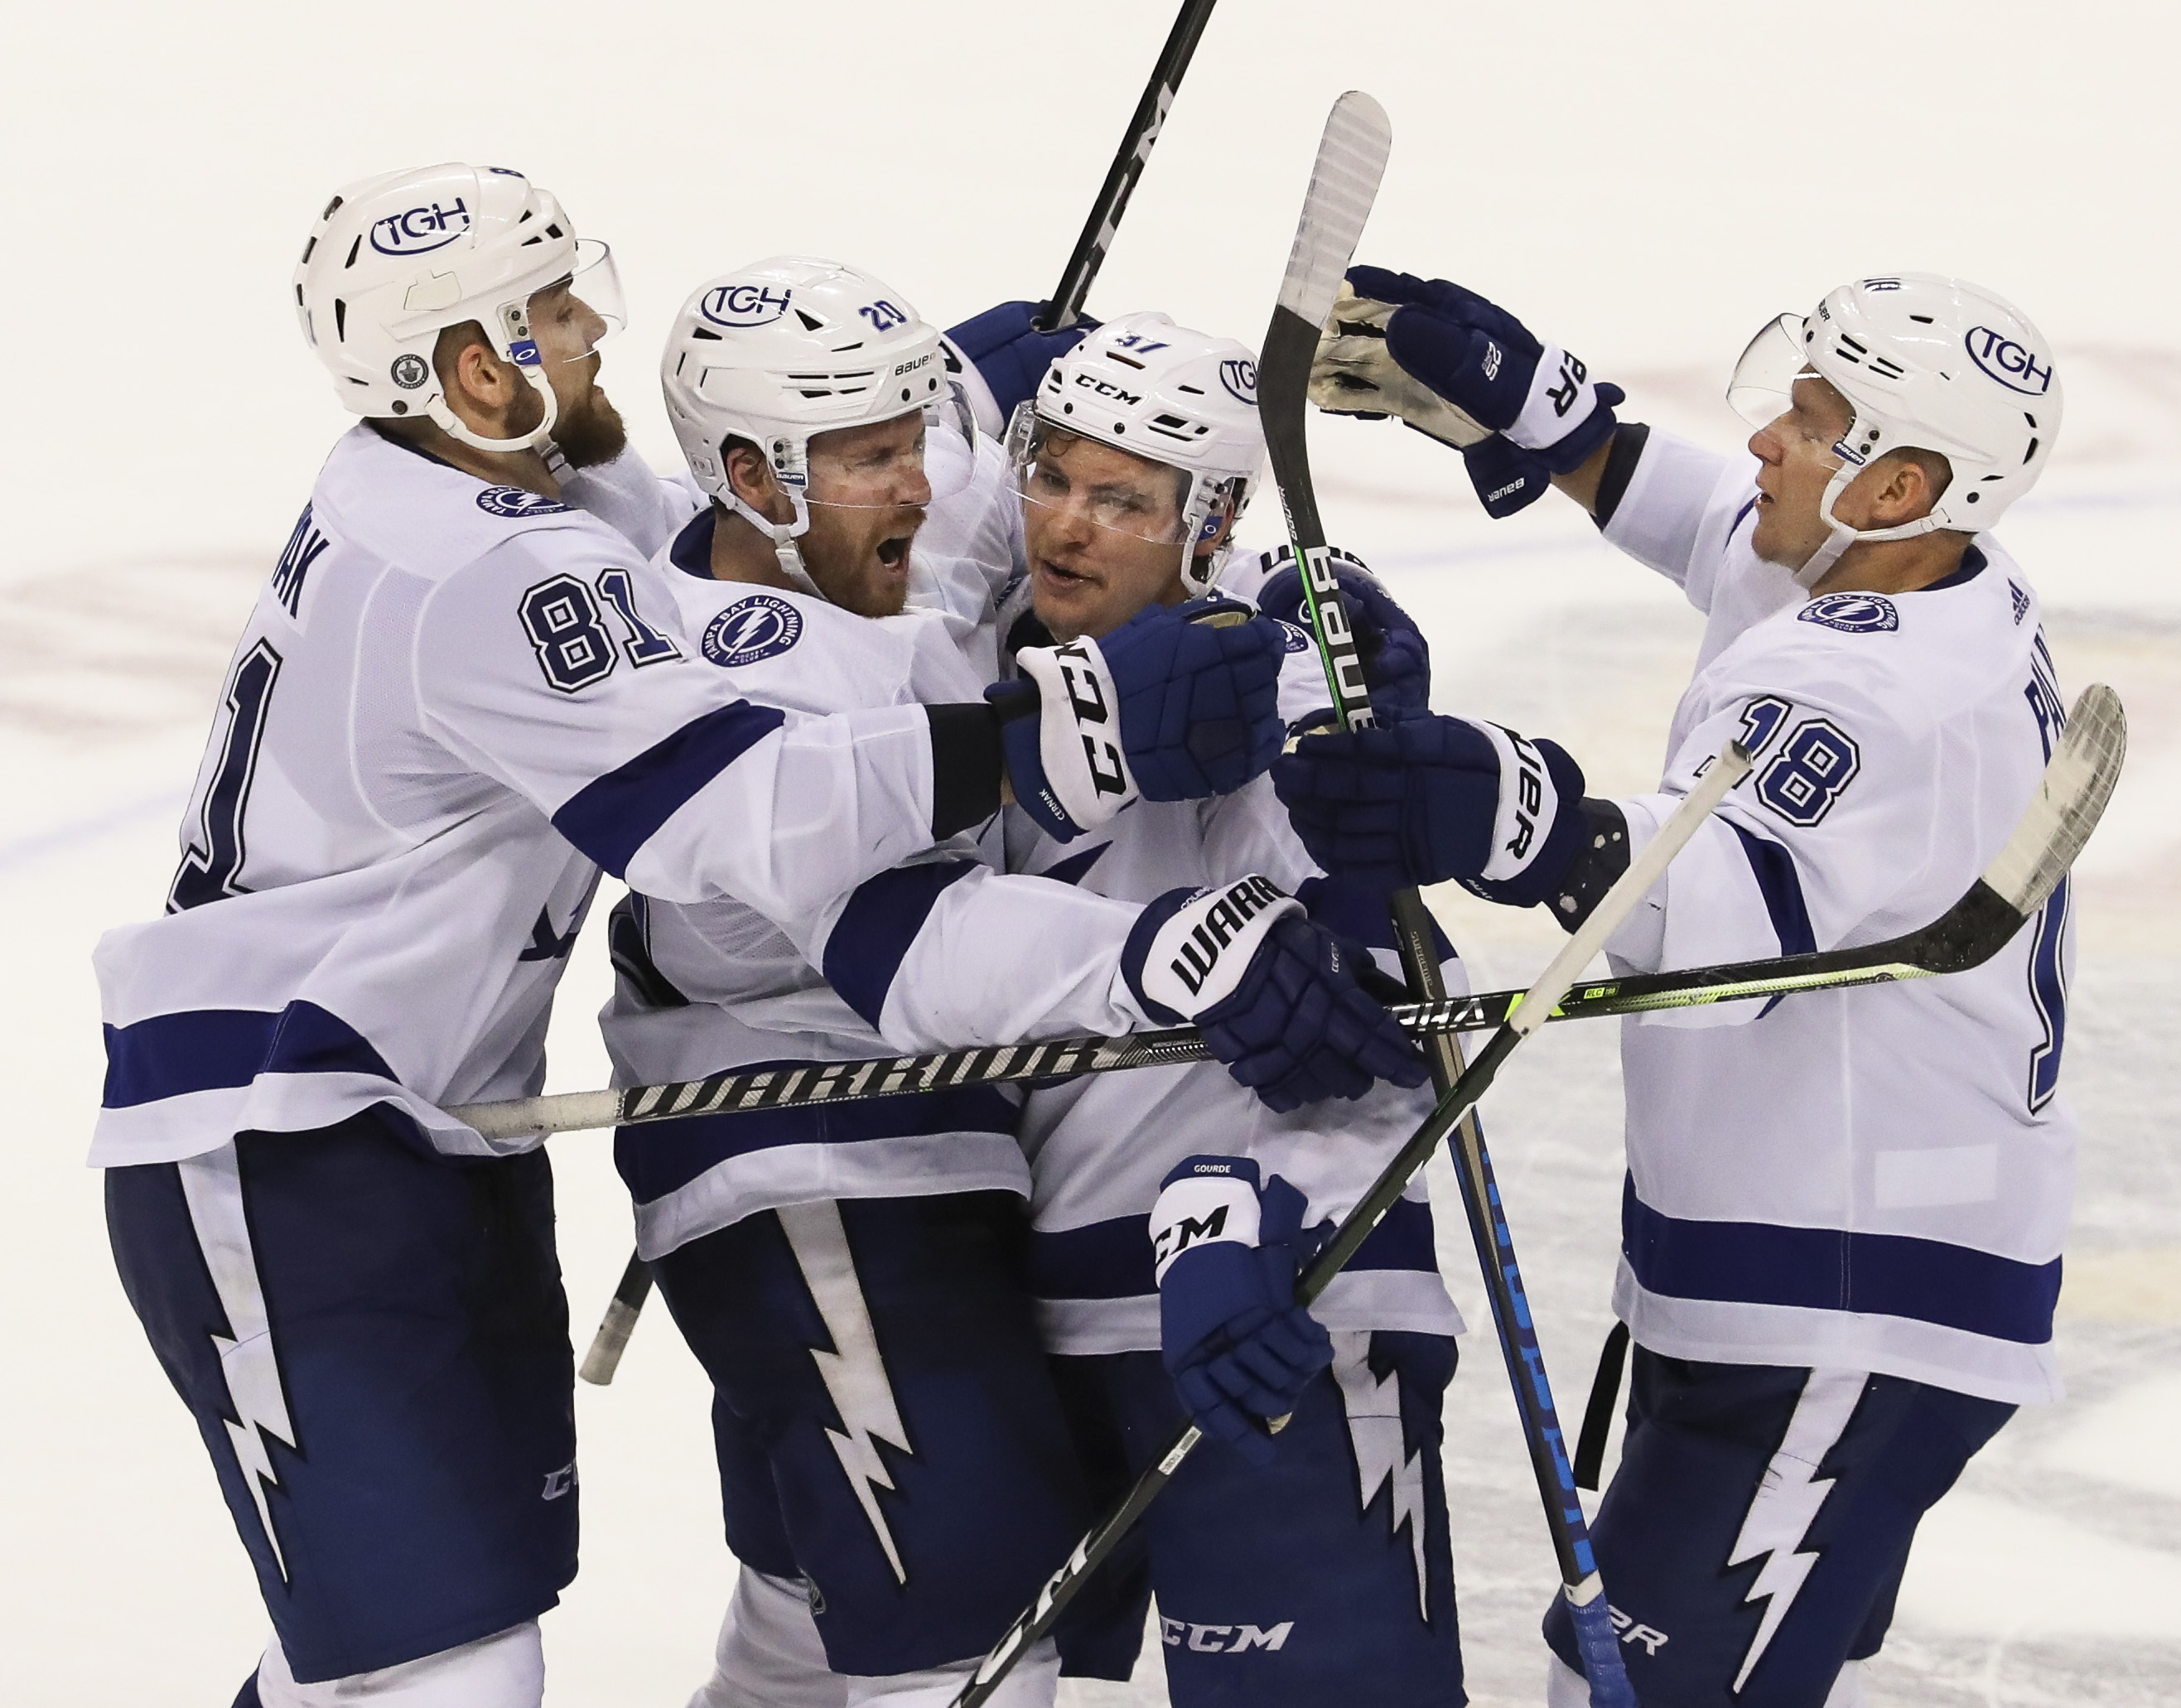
(928, 955)
(1101, 1144)
(1875, 1179)
(452, 705)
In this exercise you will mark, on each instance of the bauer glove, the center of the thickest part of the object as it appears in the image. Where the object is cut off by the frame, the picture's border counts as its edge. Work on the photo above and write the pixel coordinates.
(1239, 1349)
(1459, 367)
(1436, 798)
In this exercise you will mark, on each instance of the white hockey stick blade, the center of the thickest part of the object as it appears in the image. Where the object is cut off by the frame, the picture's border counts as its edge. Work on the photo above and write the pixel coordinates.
(1732, 765)
(1351, 158)
(2078, 781)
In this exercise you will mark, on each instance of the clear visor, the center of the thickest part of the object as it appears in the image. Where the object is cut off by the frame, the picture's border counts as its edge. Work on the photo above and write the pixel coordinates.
(1087, 483)
(1762, 387)
(572, 317)
(916, 459)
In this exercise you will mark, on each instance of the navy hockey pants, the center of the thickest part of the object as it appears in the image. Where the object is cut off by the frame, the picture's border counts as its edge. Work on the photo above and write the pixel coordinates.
(887, 1427)
(1325, 1577)
(374, 1344)
(1736, 1580)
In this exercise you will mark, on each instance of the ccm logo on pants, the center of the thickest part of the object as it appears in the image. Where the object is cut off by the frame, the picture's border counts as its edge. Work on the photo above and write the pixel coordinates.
(1214, 1639)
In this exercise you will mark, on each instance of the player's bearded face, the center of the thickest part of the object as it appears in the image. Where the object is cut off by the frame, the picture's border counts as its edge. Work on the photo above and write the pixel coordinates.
(1103, 531)
(588, 428)
(867, 495)
(1796, 450)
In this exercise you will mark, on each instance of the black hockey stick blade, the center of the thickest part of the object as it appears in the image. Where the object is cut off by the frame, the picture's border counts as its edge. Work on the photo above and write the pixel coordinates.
(2078, 781)
(619, 1323)
(1144, 127)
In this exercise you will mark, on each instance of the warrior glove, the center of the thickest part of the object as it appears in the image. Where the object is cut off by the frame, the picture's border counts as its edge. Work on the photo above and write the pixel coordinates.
(1239, 1349)
(1278, 999)
(1179, 703)
(1436, 798)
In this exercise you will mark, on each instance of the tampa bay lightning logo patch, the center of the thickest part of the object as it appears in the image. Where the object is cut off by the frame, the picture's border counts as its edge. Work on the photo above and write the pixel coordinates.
(1297, 638)
(1851, 613)
(518, 502)
(752, 630)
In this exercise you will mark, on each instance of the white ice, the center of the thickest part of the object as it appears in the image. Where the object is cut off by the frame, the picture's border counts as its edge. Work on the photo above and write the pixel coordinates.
(1647, 183)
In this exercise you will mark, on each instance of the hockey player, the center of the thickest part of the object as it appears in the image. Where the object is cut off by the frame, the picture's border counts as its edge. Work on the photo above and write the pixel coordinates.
(1844, 1213)
(897, 1473)
(449, 710)
(1276, 1560)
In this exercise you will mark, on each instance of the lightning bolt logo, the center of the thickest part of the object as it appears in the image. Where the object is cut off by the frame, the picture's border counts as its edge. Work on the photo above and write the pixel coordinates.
(212, 1186)
(1786, 1504)
(1374, 1431)
(853, 1372)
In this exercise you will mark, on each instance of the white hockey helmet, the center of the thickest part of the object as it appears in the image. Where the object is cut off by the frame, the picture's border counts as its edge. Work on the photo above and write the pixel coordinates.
(1161, 392)
(396, 259)
(781, 351)
(1926, 362)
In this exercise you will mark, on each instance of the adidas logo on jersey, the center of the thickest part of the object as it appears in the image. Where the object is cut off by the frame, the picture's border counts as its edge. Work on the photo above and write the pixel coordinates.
(1225, 1639)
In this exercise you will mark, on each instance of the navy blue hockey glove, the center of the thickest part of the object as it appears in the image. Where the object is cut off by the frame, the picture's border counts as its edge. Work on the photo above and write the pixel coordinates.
(1011, 354)
(1459, 367)
(1506, 477)
(1179, 703)
(1396, 657)
(1436, 798)
(1277, 998)
(1239, 1349)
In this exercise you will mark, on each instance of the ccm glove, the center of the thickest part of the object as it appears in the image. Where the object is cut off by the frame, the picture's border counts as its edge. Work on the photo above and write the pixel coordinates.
(1239, 1349)
(1275, 997)
(1010, 355)
(1179, 703)
(1396, 657)
(1459, 367)
(1436, 798)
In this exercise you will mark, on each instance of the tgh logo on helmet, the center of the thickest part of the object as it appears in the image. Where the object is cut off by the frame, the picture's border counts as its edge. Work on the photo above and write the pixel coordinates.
(2013, 365)
(419, 230)
(745, 305)
(1241, 380)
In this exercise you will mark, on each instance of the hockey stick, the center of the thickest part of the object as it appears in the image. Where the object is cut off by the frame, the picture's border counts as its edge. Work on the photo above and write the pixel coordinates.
(1343, 184)
(1144, 127)
(1975, 928)
(618, 1323)
(2078, 781)
(1526, 1015)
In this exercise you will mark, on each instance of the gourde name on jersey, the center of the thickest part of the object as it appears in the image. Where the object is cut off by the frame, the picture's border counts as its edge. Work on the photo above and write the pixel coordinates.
(449, 708)
(1878, 1177)
(1101, 1145)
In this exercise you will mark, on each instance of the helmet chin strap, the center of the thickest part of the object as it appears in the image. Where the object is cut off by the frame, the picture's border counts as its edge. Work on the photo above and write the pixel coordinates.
(455, 428)
(783, 534)
(1842, 537)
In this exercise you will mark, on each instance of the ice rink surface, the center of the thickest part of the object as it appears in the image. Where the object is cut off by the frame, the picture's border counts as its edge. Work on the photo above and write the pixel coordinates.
(1648, 183)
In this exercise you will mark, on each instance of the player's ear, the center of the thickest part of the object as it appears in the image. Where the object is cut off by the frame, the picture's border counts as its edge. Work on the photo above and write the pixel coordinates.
(476, 381)
(753, 481)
